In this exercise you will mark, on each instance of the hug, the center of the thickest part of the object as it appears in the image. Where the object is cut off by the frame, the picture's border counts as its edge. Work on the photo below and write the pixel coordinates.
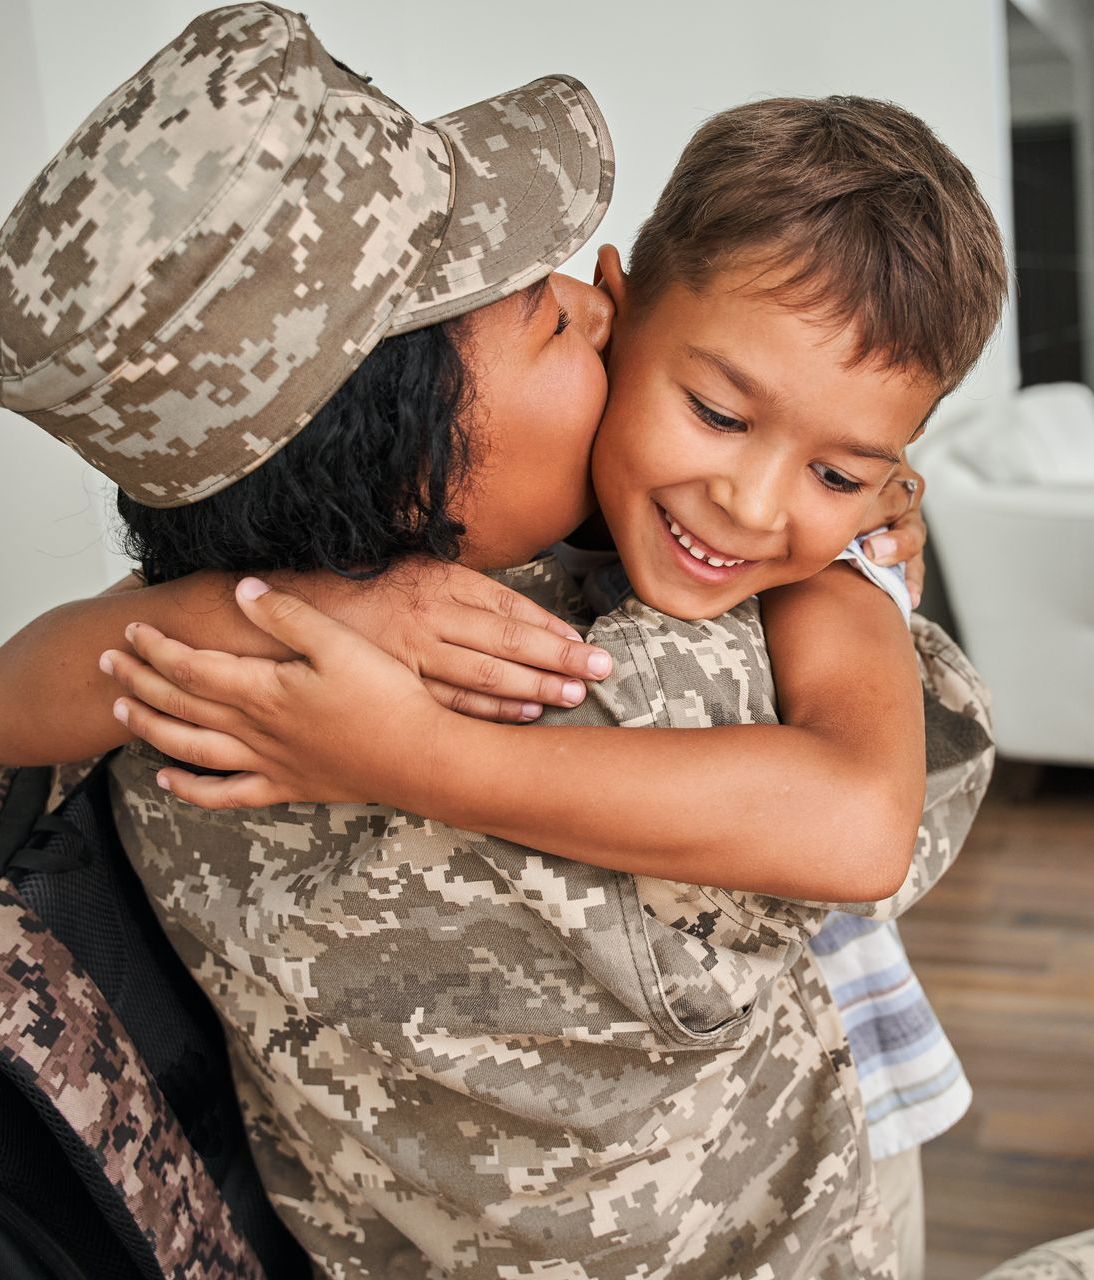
(421, 523)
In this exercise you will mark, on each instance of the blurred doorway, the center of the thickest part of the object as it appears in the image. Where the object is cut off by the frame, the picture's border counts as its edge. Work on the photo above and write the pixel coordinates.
(1047, 178)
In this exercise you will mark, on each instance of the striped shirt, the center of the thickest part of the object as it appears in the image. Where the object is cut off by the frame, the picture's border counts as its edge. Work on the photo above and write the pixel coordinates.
(912, 1083)
(913, 1087)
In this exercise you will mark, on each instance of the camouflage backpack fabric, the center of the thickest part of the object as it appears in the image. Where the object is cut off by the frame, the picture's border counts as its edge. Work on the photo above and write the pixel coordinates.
(460, 1058)
(118, 1122)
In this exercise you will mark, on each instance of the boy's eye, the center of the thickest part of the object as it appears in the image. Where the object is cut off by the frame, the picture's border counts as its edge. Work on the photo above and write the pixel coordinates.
(563, 320)
(711, 417)
(836, 480)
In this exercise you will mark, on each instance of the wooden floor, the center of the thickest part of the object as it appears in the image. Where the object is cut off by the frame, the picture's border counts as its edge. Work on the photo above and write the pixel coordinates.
(1005, 948)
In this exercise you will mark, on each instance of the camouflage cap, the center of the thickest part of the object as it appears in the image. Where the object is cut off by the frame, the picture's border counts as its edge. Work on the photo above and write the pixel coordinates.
(230, 232)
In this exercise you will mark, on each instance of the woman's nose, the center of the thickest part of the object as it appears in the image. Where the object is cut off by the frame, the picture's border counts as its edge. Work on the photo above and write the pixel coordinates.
(591, 309)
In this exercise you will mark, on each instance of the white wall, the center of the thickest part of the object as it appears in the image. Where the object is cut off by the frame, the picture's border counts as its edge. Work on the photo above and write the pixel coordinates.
(657, 70)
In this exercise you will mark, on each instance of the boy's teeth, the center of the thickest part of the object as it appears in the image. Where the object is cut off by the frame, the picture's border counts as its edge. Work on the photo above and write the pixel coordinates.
(685, 540)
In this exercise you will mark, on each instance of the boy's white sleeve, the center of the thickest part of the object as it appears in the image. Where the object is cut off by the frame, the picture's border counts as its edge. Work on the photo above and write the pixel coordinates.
(891, 579)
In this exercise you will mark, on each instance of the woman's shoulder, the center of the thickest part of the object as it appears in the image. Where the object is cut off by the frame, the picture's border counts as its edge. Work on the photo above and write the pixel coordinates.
(685, 674)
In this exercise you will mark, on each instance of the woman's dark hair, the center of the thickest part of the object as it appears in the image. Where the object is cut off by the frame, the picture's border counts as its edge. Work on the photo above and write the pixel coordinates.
(369, 480)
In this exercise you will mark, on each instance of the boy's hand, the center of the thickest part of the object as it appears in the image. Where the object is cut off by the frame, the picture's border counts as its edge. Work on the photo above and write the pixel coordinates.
(269, 722)
(898, 506)
(481, 648)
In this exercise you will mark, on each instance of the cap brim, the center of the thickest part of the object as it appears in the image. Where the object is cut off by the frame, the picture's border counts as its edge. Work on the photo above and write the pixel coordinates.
(533, 174)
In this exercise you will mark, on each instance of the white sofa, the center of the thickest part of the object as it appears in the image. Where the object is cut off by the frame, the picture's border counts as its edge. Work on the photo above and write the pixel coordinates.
(1010, 507)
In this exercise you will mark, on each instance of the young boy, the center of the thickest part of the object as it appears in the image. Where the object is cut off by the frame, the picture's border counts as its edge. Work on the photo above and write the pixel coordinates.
(686, 1104)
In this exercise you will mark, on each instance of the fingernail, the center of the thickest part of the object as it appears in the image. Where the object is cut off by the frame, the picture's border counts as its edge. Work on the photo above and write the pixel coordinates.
(572, 692)
(599, 664)
(163, 781)
(121, 712)
(252, 588)
(916, 595)
(531, 711)
(573, 635)
(131, 631)
(881, 547)
(106, 665)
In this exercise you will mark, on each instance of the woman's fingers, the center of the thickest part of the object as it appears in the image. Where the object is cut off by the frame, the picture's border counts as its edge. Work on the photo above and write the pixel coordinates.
(238, 791)
(503, 602)
(480, 673)
(915, 574)
(205, 748)
(483, 706)
(520, 645)
(904, 540)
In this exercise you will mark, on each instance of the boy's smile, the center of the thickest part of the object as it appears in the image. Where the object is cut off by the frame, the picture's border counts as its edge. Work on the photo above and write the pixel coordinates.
(741, 448)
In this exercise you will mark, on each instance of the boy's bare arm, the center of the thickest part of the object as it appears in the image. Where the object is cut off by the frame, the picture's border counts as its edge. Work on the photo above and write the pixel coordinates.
(477, 644)
(824, 806)
(55, 703)
(827, 809)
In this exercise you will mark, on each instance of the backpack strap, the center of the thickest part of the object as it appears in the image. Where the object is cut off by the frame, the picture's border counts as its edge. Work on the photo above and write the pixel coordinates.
(65, 1050)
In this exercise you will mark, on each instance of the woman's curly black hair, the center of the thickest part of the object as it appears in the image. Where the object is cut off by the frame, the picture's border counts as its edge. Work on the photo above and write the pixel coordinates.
(368, 481)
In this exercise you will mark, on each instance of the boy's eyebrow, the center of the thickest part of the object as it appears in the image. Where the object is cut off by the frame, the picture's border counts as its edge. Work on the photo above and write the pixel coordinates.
(736, 376)
(757, 390)
(861, 450)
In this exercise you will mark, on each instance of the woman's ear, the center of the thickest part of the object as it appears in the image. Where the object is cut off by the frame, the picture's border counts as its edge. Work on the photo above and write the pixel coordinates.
(610, 276)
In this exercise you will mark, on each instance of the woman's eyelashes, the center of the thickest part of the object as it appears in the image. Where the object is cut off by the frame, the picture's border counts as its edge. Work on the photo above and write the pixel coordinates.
(719, 421)
(563, 321)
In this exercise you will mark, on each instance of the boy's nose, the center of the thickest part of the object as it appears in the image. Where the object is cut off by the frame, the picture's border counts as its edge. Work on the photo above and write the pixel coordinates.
(752, 497)
(592, 310)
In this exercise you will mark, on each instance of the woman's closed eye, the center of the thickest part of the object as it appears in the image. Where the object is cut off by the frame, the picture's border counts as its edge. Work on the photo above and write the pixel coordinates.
(719, 421)
(563, 321)
(836, 480)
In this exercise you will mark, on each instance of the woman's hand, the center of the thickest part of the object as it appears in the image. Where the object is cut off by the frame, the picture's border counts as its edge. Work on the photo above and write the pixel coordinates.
(268, 721)
(481, 648)
(898, 506)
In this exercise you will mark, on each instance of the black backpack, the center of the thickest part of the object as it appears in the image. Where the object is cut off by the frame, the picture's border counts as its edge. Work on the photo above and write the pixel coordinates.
(122, 1149)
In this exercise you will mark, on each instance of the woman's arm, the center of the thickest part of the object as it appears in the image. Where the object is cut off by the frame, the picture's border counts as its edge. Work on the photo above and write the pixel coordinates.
(480, 648)
(825, 809)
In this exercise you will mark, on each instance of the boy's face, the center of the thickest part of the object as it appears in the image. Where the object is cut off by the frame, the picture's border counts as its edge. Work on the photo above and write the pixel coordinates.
(734, 430)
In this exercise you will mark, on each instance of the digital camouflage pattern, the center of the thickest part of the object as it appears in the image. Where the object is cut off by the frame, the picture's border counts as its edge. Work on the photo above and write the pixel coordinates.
(231, 231)
(461, 1058)
(1071, 1258)
(60, 1039)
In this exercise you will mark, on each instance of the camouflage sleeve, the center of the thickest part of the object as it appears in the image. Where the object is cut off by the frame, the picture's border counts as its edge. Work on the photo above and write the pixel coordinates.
(700, 674)
(960, 755)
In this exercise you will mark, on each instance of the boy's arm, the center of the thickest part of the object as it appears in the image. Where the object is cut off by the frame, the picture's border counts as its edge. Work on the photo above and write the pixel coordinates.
(55, 702)
(824, 809)
(480, 647)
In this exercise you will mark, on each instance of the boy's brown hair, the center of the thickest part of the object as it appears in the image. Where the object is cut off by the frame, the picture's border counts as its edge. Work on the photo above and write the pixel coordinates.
(877, 222)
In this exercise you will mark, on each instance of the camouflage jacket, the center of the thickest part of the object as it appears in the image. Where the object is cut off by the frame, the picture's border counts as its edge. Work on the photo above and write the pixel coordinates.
(462, 1058)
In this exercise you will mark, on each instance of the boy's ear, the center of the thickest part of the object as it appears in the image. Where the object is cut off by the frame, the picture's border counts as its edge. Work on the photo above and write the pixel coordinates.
(610, 276)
